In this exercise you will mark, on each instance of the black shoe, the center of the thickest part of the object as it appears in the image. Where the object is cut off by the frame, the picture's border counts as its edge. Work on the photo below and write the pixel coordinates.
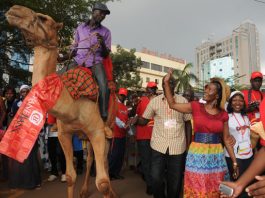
(104, 118)
(149, 190)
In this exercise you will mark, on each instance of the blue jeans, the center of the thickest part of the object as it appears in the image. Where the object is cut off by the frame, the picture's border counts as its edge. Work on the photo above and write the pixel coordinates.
(167, 169)
(99, 74)
(145, 152)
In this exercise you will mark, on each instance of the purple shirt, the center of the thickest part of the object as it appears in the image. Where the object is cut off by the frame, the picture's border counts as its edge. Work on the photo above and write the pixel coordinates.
(85, 37)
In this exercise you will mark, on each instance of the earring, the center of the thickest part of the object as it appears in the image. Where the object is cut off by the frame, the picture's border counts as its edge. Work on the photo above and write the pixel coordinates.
(215, 103)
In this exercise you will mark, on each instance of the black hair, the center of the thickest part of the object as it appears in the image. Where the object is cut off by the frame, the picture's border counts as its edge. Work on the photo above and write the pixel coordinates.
(229, 106)
(9, 88)
(219, 92)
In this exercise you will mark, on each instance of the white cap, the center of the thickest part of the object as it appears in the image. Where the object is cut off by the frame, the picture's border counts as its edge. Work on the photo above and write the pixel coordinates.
(24, 87)
(236, 92)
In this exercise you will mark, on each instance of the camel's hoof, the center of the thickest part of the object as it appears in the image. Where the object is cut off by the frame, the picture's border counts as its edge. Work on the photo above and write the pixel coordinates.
(69, 180)
(84, 193)
(113, 194)
(103, 186)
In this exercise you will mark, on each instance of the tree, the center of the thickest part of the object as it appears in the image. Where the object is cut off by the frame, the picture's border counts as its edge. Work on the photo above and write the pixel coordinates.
(184, 78)
(234, 86)
(70, 12)
(126, 68)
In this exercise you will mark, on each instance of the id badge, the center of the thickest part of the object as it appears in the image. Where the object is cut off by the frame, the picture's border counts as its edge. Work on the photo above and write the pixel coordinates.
(170, 124)
(243, 147)
(257, 115)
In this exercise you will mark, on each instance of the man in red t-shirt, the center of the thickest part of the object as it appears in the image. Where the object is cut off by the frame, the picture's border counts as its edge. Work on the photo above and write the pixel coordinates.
(117, 146)
(253, 98)
(144, 133)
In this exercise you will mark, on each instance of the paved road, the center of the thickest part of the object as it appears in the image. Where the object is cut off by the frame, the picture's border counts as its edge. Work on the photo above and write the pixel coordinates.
(131, 187)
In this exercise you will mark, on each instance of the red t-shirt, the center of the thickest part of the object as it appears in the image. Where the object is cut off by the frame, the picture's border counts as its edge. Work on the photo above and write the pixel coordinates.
(204, 122)
(143, 132)
(255, 96)
(51, 119)
(122, 114)
(262, 118)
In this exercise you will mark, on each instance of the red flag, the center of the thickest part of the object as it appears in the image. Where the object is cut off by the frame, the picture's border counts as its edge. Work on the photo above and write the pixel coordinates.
(29, 119)
(108, 68)
(262, 118)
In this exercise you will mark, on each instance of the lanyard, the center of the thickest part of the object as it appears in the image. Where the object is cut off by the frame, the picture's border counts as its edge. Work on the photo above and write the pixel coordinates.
(241, 128)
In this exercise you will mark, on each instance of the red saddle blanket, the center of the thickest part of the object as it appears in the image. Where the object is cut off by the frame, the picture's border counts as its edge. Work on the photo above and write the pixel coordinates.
(79, 82)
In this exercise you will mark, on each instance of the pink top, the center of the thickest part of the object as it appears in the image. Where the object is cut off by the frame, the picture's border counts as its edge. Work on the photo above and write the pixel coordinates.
(205, 122)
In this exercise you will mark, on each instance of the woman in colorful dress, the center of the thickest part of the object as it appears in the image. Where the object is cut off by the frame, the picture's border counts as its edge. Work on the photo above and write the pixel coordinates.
(205, 164)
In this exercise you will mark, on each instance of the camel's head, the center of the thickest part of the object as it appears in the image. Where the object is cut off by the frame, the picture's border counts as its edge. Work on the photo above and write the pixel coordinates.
(37, 28)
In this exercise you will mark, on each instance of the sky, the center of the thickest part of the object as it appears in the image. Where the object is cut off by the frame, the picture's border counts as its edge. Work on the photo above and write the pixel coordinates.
(177, 27)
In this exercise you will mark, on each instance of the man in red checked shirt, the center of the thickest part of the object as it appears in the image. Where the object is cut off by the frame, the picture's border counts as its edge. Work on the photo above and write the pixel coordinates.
(143, 135)
(253, 98)
(118, 142)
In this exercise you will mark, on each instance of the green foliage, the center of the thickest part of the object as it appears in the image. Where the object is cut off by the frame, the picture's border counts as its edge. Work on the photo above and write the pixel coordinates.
(126, 68)
(70, 12)
(234, 86)
(184, 78)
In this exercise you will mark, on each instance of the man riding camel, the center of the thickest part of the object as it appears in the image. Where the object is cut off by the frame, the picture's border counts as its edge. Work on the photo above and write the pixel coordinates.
(92, 44)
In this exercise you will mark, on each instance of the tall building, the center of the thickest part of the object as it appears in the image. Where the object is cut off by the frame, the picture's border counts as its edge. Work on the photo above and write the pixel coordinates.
(242, 46)
(155, 65)
(220, 67)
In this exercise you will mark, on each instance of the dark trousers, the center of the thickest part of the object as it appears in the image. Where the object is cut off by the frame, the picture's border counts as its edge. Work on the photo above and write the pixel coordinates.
(4, 171)
(167, 170)
(80, 159)
(243, 166)
(116, 155)
(145, 152)
(55, 151)
(99, 74)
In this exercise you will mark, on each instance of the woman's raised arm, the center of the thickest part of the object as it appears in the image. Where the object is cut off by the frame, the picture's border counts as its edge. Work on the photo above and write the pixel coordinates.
(181, 107)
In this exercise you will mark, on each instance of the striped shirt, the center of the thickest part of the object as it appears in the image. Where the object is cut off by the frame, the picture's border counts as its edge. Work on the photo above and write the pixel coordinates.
(169, 125)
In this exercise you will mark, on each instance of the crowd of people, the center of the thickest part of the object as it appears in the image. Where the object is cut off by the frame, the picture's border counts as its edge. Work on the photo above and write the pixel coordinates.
(179, 139)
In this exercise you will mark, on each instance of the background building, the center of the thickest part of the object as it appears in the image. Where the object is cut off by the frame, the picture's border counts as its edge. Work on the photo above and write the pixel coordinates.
(155, 65)
(220, 67)
(242, 47)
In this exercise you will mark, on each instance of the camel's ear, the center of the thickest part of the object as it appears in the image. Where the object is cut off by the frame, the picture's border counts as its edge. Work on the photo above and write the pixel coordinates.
(59, 26)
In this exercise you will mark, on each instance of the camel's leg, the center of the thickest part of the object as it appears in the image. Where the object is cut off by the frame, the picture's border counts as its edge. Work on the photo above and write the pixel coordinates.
(112, 193)
(90, 156)
(106, 152)
(65, 139)
(97, 139)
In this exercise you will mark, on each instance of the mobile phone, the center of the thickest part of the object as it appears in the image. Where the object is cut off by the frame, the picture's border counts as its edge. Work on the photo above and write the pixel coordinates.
(226, 189)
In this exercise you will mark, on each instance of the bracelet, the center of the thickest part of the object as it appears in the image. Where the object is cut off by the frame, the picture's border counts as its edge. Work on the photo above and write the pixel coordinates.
(235, 164)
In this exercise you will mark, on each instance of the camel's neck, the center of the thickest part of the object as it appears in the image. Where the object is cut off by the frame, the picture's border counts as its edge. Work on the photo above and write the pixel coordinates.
(44, 63)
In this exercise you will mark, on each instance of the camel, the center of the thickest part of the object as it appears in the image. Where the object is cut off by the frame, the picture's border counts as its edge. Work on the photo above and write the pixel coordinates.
(72, 115)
